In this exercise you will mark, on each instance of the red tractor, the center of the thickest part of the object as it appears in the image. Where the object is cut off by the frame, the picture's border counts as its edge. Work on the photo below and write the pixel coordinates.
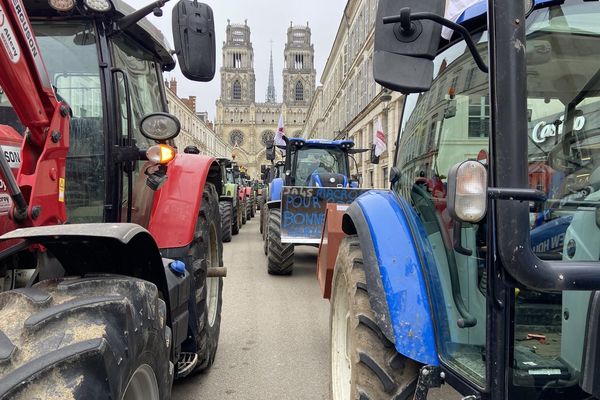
(112, 282)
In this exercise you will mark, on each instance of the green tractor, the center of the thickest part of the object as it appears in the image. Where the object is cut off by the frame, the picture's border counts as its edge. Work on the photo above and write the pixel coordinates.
(229, 204)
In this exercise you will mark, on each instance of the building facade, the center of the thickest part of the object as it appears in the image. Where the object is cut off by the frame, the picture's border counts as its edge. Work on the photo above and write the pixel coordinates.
(348, 103)
(242, 122)
(194, 130)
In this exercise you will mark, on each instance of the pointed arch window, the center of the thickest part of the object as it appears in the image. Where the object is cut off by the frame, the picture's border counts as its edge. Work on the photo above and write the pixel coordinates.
(299, 91)
(236, 91)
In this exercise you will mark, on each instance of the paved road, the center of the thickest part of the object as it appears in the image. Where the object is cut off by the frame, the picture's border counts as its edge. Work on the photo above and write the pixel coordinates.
(274, 333)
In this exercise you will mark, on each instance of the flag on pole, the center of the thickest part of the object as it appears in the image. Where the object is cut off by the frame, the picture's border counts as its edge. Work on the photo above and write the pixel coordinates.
(280, 133)
(379, 140)
(454, 9)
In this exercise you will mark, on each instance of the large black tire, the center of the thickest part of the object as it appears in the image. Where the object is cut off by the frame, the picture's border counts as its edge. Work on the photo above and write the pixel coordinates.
(259, 202)
(377, 371)
(244, 213)
(253, 207)
(206, 252)
(264, 219)
(248, 209)
(85, 338)
(225, 210)
(260, 224)
(280, 256)
(235, 221)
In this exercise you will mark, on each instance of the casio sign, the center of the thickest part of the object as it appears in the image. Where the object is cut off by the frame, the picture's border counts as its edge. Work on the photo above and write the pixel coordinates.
(543, 130)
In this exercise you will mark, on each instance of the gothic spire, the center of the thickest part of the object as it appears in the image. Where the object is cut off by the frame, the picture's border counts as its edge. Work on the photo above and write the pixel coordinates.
(271, 96)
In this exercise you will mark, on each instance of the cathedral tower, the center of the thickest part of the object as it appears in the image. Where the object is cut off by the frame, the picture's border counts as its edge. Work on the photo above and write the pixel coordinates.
(299, 74)
(237, 71)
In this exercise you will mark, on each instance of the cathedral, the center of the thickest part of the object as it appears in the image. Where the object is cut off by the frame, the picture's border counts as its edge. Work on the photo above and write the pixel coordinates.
(246, 124)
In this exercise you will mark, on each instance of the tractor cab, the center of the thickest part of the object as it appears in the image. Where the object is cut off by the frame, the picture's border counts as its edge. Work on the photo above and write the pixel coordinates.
(317, 162)
(105, 60)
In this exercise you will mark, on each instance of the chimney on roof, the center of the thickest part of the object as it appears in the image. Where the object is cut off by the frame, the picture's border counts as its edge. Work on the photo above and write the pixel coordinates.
(173, 85)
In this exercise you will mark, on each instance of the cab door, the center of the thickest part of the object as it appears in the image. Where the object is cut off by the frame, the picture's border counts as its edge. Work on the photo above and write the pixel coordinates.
(138, 81)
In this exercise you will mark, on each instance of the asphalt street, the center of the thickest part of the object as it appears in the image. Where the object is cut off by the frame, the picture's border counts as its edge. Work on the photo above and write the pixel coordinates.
(274, 339)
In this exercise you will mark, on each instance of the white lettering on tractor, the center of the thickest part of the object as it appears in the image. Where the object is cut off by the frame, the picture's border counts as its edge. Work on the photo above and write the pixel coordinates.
(12, 155)
(25, 27)
(7, 37)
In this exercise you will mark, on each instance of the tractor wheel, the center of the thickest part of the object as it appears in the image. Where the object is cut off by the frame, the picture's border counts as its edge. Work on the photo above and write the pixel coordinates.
(364, 364)
(259, 202)
(96, 337)
(235, 221)
(280, 255)
(260, 225)
(248, 209)
(244, 213)
(253, 208)
(206, 252)
(264, 220)
(226, 223)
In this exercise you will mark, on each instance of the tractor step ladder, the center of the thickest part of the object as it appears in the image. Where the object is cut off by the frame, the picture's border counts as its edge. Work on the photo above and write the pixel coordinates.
(186, 364)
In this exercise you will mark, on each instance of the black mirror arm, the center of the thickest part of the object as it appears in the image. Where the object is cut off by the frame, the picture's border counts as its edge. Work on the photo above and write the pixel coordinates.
(128, 20)
(406, 17)
(457, 239)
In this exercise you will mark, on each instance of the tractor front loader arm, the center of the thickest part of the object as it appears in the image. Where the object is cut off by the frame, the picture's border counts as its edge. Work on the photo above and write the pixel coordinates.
(38, 189)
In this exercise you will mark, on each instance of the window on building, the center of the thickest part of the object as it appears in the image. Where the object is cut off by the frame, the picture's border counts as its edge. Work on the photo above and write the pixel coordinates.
(479, 116)
(385, 176)
(299, 91)
(237, 60)
(371, 182)
(299, 61)
(236, 91)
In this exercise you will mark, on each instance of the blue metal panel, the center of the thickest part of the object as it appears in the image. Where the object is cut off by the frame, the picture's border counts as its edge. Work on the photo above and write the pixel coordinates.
(321, 142)
(402, 275)
(275, 189)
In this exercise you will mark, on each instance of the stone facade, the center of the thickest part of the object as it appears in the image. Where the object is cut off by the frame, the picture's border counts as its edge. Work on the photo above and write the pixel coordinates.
(348, 102)
(194, 130)
(246, 124)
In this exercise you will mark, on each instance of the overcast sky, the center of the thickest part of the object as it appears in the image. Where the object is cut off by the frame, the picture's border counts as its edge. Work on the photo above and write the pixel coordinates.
(268, 20)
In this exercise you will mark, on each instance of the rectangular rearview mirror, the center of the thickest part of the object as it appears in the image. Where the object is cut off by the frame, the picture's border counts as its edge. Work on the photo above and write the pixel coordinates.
(403, 57)
(194, 38)
(270, 151)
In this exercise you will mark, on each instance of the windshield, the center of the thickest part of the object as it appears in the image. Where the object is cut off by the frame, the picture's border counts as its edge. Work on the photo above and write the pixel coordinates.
(450, 124)
(70, 55)
(311, 160)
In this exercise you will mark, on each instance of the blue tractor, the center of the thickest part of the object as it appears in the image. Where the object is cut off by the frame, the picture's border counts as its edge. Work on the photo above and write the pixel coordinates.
(315, 172)
(442, 279)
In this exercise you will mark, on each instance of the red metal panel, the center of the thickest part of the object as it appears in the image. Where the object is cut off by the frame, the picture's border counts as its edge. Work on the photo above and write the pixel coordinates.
(330, 244)
(177, 204)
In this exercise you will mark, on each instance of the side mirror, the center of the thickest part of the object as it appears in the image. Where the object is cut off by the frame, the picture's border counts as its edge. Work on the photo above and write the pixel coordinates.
(450, 110)
(373, 158)
(403, 54)
(194, 38)
(270, 151)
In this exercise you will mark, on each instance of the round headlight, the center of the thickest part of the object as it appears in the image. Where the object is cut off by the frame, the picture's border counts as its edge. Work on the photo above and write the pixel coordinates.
(62, 5)
(160, 126)
(101, 6)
